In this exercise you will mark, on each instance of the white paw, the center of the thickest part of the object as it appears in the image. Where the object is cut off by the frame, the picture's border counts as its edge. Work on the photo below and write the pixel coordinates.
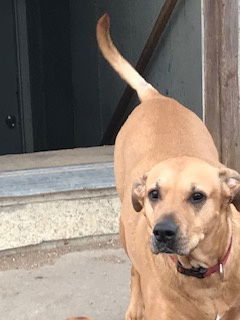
(135, 312)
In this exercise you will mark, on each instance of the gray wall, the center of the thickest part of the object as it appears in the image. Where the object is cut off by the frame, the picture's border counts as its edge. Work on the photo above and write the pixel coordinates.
(175, 68)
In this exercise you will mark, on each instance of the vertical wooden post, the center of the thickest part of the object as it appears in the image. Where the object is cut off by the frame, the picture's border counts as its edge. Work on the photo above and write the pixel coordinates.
(221, 92)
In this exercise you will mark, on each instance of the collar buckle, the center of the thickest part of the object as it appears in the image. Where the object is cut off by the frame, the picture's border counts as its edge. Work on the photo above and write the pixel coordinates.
(221, 271)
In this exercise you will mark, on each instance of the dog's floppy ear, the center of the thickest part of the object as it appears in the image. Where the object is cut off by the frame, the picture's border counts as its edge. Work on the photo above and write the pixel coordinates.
(138, 193)
(231, 180)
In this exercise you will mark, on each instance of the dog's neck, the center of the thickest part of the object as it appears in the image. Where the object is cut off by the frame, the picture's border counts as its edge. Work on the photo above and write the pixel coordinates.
(213, 247)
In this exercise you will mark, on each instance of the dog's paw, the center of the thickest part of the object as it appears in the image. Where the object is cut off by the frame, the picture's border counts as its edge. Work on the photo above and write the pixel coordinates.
(135, 312)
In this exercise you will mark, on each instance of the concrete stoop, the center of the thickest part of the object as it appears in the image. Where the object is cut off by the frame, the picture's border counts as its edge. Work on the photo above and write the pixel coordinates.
(57, 203)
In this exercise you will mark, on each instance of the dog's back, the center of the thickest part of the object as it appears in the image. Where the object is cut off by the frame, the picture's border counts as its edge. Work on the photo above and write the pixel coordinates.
(159, 128)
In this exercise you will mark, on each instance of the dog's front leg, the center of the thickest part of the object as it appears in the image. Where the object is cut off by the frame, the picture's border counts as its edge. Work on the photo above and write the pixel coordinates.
(136, 307)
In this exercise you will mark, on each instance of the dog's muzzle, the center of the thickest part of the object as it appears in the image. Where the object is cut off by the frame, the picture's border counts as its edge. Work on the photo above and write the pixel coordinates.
(165, 237)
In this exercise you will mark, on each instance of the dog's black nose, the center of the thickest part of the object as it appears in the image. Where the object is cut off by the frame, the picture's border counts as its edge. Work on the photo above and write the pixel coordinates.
(166, 230)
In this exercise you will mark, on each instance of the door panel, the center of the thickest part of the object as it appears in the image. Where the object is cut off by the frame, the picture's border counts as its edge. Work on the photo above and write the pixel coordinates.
(10, 122)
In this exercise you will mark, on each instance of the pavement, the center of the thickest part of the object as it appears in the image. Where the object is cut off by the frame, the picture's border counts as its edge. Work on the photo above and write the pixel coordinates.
(54, 281)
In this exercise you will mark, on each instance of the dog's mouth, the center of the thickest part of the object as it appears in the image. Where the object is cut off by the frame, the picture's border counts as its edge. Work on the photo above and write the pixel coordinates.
(169, 247)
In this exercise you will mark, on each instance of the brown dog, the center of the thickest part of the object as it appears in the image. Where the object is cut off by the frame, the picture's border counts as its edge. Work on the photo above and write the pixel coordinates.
(178, 224)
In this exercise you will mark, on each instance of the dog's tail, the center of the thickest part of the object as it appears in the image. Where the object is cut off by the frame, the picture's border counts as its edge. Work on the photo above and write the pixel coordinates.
(122, 66)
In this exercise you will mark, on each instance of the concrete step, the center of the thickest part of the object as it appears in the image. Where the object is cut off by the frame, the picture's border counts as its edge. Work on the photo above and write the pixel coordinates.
(33, 182)
(64, 202)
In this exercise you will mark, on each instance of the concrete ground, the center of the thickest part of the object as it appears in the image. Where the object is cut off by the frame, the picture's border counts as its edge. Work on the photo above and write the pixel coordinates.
(69, 278)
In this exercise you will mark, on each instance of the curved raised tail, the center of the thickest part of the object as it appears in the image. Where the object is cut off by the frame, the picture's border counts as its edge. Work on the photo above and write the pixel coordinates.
(120, 64)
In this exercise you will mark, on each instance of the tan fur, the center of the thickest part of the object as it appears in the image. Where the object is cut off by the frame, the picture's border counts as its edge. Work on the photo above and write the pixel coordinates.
(165, 146)
(124, 69)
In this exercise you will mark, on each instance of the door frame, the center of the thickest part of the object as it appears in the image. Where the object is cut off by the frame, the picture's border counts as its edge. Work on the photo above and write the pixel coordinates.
(23, 74)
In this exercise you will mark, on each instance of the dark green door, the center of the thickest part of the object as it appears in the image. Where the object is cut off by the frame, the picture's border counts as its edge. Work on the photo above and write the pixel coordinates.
(10, 122)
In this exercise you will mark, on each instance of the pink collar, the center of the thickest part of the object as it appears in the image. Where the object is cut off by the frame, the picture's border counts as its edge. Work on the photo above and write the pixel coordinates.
(203, 272)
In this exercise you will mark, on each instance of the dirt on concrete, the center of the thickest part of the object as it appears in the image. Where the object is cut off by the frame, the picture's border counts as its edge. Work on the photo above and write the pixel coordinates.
(32, 257)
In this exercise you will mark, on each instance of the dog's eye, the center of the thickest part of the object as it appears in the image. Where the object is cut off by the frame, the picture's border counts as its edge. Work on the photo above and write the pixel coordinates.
(197, 197)
(154, 195)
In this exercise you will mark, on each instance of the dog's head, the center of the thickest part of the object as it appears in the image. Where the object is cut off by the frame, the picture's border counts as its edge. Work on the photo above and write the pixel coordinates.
(183, 199)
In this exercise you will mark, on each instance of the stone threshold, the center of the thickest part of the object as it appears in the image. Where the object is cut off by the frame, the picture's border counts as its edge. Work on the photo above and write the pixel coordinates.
(33, 182)
(56, 158)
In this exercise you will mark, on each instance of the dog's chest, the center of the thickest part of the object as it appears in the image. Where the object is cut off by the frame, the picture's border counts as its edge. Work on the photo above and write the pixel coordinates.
(202, 298)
